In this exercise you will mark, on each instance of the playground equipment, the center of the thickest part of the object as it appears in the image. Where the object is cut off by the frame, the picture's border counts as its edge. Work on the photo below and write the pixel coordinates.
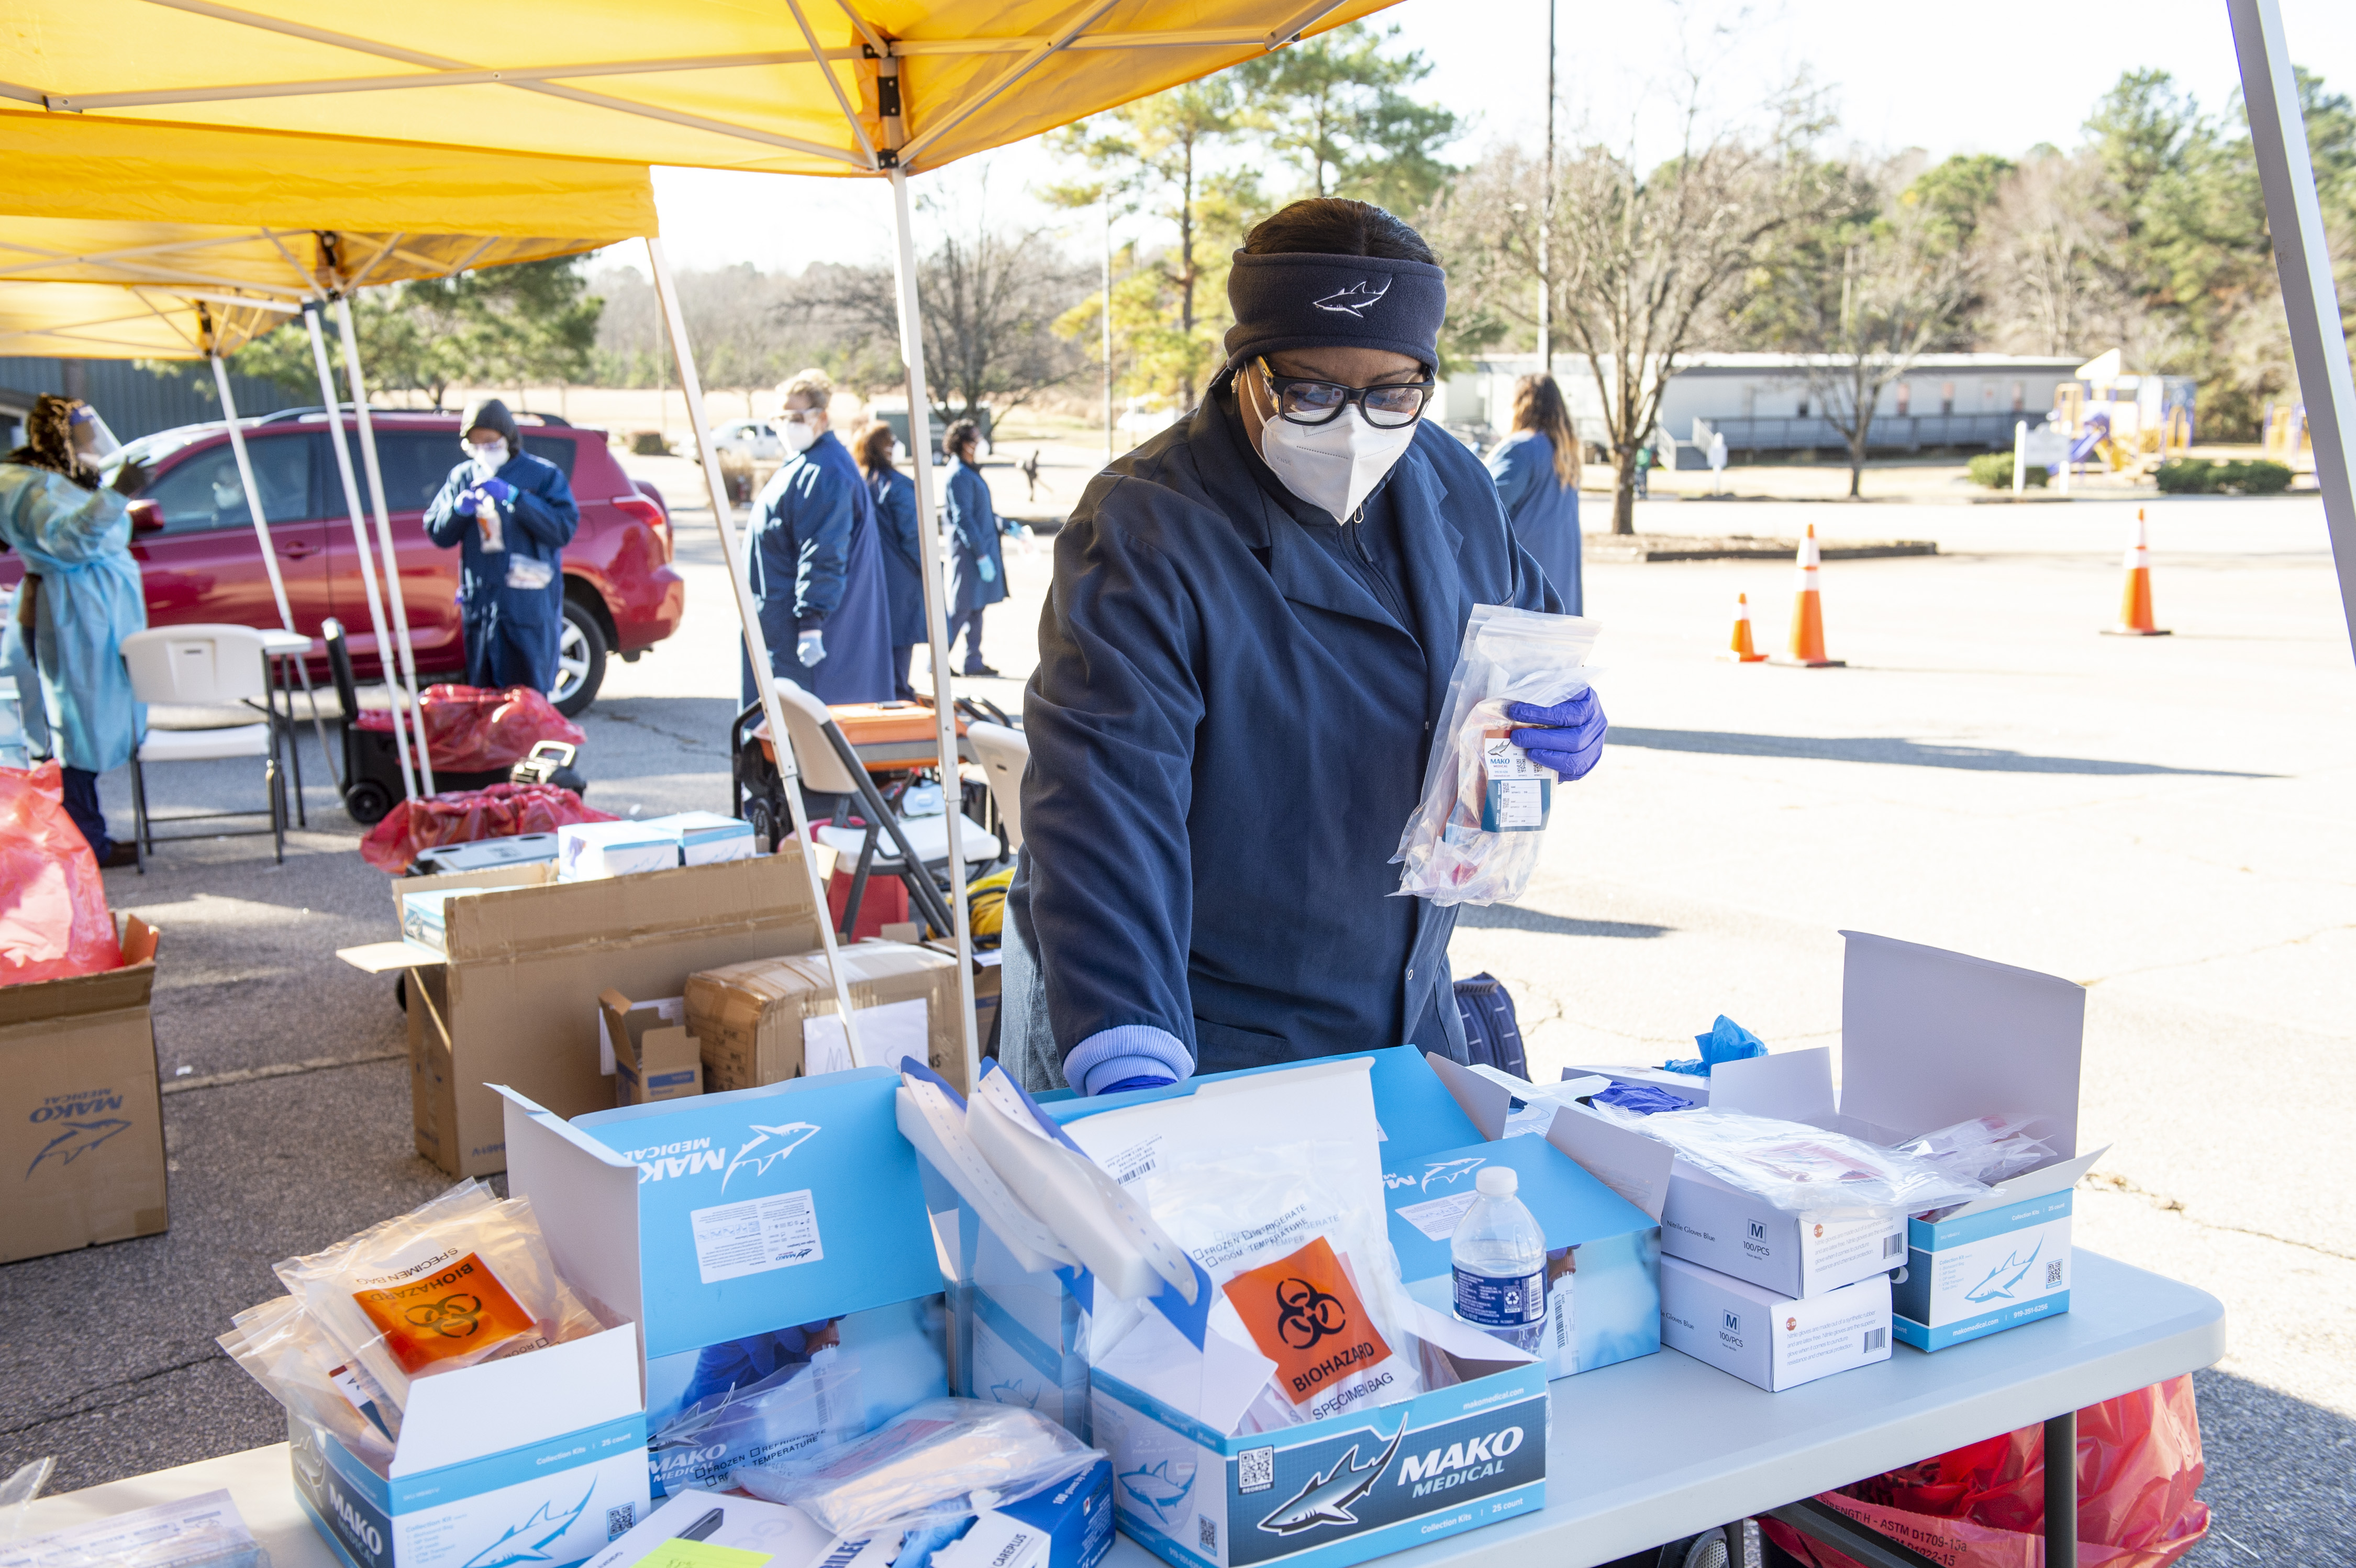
(2285, 437)
(2126, 420)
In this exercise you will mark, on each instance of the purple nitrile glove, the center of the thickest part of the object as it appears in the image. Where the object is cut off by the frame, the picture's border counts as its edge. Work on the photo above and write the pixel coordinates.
(498, 490)
(1570, 740)
(467, 501)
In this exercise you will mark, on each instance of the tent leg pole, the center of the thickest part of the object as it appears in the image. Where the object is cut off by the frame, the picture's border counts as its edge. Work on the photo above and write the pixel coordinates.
(2310, 301)
(270, 563)
(396, 605)
(312, 311)
(756, 644)
(937, 608)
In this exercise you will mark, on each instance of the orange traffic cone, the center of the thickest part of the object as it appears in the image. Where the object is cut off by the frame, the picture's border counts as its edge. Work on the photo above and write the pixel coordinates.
(2135, 601)
(1739, 651)
(1808, 613)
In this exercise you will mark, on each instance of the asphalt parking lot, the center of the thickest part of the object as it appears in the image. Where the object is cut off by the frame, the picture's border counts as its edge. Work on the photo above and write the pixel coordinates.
(2163, 821)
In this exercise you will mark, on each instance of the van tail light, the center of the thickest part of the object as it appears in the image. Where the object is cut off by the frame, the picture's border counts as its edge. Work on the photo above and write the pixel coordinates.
(648, 512)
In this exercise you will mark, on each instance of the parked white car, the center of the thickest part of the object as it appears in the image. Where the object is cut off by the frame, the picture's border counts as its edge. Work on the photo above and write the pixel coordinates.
(755, 439)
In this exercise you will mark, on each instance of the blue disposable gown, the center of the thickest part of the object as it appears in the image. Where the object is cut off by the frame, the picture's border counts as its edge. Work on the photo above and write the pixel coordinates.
(816, 565)
(904, 554)
(78, 543)
(1228, 731)
(973, 531)
(1545, 510)
(512, 630)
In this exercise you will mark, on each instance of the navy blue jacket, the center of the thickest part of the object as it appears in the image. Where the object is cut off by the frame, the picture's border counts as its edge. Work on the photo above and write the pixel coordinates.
(538, 523)
(815, 565)
(904, 554)
(1545, 510)
(1227, 733)
(973, 531)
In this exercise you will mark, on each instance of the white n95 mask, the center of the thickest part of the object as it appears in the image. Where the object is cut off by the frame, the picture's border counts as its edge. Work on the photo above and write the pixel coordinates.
(1333, 467)
(798, 437)
(489, 458)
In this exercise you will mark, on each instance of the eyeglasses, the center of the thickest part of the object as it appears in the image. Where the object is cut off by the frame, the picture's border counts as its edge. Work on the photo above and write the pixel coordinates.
(1303, 401)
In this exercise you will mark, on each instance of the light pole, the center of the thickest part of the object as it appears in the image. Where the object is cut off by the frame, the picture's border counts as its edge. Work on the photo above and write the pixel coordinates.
(1545, 218)
(1108, 322)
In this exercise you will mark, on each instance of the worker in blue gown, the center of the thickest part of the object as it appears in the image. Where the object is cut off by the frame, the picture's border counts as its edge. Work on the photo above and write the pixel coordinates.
(509, 516)
(814, 562)
(895, 495)
(1537, 470)
(80, 597)
(977, 565)
(1247, 646)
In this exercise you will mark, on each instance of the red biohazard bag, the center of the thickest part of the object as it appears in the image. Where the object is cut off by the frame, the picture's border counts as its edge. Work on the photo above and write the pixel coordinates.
(502, 810)
(1984, 1506)
(53, 918)
(475, 729)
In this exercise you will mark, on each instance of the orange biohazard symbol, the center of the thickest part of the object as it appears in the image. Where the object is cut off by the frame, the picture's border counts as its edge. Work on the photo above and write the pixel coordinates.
(1304, 1314)
(453, 1317)
(458, 1314)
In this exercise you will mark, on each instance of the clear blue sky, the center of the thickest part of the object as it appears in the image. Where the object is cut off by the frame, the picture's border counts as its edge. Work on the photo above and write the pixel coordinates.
(1933, 76)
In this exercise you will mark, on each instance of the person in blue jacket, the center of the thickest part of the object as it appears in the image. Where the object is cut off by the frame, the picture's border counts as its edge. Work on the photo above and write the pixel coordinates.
(904, 549)
(80, 597)
(510, 515)
(1537, 470)
(977, 569)
(816, 568)
(1249, 640)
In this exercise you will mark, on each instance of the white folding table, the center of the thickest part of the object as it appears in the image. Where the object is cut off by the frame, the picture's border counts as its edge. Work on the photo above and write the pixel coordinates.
(1641, 1452)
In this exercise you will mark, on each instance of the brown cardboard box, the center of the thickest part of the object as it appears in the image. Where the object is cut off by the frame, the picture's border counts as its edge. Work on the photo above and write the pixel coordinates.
(749, 1016)
(987, 987)
(652, 1060)
(78, 1098)
(514, 1001)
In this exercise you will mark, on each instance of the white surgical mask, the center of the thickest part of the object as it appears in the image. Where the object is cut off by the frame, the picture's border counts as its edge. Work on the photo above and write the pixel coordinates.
(490, 457)
(798, 437)
(1333, 467)
(226, 496)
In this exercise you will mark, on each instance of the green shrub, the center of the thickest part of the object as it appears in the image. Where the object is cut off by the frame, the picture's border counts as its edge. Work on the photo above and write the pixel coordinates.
(649, 444)
(2188, 476)
(2257, 478)
(1994, 470)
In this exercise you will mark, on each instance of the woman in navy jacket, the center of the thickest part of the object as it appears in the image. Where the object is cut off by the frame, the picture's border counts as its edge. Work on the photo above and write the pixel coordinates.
(904, 549)
(977, 570)
(1249, 638)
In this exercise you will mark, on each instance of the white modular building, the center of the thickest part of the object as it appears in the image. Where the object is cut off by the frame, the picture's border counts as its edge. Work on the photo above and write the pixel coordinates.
(1764, 403)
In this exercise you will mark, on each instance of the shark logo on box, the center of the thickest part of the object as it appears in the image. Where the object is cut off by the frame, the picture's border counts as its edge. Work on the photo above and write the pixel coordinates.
(78, 1139)
(530, 1541)
(1327, 1498)
(1156, 1487)
(1992, 1289)
(1448, 1172)
(693, 1157)
(768, 1146)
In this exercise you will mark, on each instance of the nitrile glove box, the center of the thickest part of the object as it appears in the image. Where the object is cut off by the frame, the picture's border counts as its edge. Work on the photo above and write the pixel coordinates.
(1928, 1038)
(1328, 1493)
(1603, 1253)
(761, 1226)
(1769, 1339)
(705, 837)
(544, 1452)
(588, 850)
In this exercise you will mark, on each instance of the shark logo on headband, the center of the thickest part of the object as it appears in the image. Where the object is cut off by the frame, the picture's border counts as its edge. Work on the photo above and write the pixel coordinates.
(1353, 301)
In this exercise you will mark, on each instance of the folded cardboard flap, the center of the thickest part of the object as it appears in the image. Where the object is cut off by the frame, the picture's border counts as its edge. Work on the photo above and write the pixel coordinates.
(79, 995)
(2046, 1179)
(532, 1398)
(532, 912)
(1629, 1163)
(585, 1198)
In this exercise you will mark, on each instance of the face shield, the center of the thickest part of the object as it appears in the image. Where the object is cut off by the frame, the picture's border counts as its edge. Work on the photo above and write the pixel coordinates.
(93, 443)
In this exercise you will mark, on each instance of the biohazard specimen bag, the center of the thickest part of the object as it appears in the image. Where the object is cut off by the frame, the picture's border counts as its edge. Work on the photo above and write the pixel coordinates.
(311, 1375)
(457, 1280)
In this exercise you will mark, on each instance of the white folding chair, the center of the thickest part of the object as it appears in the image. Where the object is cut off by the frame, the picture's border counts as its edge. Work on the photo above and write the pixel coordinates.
(919, 845)
(205, 667)
(1003, 753)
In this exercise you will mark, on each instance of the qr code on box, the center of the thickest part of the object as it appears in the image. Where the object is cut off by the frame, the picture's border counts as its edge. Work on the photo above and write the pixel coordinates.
(620, 1521)
(1255, 1470)
(2053, 1273)
(1206, 1532)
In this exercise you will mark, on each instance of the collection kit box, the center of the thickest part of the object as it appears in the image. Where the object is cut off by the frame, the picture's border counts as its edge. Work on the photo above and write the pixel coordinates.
(83, 1112)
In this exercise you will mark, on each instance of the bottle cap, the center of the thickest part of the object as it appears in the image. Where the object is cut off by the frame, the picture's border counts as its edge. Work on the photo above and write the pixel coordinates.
(1497, 1181)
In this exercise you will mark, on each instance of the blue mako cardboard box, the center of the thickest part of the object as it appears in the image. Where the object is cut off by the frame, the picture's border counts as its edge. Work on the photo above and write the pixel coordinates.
(538, 1458)
(746, 1233)
(1603, 1253)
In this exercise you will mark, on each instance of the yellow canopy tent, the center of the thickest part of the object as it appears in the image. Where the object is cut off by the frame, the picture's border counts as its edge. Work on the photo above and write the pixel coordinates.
(823, 87)
(80, 283)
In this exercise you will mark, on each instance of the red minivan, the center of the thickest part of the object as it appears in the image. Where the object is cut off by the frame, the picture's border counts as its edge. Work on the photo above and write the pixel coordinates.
(200, 561)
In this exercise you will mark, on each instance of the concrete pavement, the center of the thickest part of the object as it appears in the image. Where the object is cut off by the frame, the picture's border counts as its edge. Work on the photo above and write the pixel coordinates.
(2161, 820)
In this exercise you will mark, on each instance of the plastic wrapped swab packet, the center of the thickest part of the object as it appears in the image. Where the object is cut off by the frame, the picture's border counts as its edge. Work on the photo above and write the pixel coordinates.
(1803, 1169)
(286, 1352)
(939, 1461)
(1474, 837)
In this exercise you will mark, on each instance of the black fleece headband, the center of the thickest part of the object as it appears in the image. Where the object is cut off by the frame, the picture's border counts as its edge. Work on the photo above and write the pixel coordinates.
(1301, 301)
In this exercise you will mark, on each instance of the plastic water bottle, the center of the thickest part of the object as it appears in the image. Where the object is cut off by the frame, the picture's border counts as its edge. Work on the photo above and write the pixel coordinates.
(1500, 1260)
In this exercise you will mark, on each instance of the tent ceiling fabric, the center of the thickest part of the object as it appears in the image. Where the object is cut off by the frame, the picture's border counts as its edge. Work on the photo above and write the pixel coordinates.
(105, 321)
(795, 87)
